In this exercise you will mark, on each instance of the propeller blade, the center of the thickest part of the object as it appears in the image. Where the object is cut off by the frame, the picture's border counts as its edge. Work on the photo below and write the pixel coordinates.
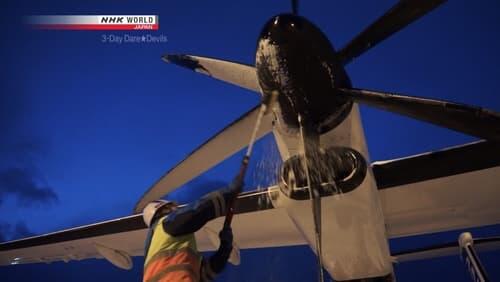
(399, 16)
(470, 120)
(218, 148)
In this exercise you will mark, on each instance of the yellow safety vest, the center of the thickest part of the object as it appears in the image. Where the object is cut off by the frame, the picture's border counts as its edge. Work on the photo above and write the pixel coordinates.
(169, 258)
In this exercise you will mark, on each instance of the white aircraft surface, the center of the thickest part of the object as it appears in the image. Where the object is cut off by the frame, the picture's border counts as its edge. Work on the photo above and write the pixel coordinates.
(361, 204)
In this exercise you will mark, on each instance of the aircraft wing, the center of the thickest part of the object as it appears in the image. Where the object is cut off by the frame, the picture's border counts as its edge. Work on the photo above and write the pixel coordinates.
(454, 188)
(124, 237)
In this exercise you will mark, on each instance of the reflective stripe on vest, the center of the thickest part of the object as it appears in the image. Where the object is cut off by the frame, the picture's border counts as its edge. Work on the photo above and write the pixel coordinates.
(175, 273)
(183, 265)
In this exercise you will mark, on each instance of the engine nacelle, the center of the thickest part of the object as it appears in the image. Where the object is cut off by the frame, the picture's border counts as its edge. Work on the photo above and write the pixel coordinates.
(340, 169)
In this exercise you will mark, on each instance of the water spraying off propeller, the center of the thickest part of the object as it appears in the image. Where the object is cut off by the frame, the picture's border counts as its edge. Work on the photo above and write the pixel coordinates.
(244, 165)
(268, 103)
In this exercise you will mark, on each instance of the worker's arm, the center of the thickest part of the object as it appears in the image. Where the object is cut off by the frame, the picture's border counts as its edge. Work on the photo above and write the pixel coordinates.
(216, 263)
(192, 217)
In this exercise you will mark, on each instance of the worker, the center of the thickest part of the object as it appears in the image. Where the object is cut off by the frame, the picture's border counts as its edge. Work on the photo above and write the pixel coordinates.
(170, 251)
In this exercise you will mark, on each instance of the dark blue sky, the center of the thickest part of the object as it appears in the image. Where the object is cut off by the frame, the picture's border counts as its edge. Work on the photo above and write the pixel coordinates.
(86, 127)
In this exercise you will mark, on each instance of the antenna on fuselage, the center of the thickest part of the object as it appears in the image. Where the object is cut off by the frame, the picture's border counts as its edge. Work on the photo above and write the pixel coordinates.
(295, 7)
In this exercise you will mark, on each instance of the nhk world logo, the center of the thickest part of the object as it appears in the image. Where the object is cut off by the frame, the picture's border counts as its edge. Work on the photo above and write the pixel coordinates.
(95, 22)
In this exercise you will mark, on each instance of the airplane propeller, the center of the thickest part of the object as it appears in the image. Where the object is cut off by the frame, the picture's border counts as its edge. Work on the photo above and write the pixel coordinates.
(467, 119)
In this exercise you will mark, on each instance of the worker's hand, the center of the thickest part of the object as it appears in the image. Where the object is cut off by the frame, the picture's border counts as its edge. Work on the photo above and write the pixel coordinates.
(219, 259)
(226, 239)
